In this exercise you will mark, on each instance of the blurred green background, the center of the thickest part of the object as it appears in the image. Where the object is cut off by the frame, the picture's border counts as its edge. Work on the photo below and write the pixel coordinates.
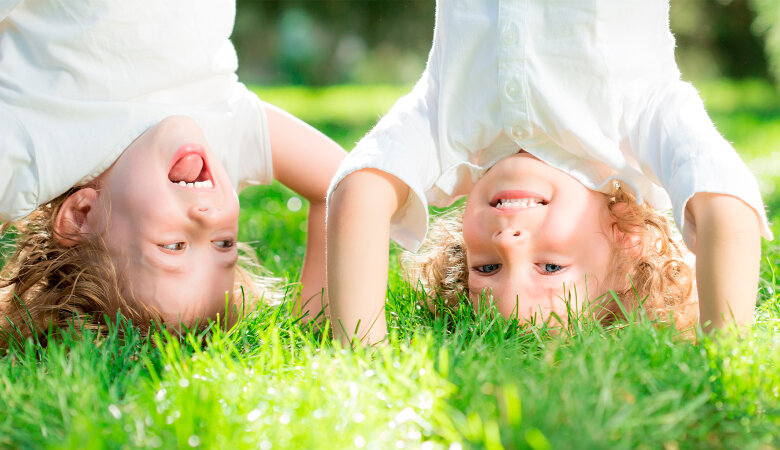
(326, 42)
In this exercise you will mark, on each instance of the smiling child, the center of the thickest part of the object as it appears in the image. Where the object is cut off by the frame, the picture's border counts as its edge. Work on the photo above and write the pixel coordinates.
(565, 123)
(125, 137)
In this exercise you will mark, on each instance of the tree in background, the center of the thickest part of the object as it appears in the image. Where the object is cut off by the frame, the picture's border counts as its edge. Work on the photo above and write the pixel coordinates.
(320, 42)
(767, 24)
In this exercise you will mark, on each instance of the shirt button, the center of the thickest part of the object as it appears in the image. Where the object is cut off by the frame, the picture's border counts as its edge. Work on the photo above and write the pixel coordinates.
(513, 89)
(517, 132)
(510, 34)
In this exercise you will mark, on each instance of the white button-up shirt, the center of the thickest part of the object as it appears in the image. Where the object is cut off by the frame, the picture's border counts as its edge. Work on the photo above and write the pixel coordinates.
(81, 79)
(590, 87)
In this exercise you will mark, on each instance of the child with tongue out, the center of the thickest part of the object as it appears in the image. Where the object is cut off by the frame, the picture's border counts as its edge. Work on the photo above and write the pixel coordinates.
(125, 137)
(559, 120)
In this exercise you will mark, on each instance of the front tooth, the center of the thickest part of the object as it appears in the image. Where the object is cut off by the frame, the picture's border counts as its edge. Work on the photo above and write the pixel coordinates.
(208, 184)
(190, 185)
(182, 183)
(198, 184)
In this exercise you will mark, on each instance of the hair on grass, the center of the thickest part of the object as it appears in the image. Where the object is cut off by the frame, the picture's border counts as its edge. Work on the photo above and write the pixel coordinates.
(47, 285)
(648, 269)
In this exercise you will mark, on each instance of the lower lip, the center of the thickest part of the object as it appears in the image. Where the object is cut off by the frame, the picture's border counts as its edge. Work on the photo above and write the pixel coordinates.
(509, 195)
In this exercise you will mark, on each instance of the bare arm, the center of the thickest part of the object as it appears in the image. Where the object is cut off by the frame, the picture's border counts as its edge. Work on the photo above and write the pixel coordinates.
(305, 160)
(358, 244)
(728, 254)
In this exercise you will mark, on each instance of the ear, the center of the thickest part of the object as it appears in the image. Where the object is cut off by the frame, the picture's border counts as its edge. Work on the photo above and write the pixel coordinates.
(71, 226)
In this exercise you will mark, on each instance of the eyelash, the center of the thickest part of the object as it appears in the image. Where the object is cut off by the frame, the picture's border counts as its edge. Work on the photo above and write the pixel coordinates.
(481, 269)
(546, 265)
(228, 243)
(179, 246)
(486, 268)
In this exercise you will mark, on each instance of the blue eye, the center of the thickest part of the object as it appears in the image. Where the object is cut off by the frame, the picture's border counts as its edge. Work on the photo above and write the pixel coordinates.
(552, 268)
(487, 268)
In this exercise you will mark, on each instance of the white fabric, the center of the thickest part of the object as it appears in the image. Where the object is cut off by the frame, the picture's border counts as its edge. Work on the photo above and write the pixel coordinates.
(81, 79)
(589, 86)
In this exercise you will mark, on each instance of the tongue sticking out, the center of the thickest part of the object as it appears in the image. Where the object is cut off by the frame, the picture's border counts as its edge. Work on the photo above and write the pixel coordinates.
(186, 169)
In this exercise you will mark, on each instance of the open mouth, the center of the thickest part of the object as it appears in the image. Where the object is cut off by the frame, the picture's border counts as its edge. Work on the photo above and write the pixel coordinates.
(517, 200)
(190, 169)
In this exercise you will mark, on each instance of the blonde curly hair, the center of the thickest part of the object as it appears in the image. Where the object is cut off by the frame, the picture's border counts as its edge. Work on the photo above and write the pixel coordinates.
(648, 271)
(44, 284)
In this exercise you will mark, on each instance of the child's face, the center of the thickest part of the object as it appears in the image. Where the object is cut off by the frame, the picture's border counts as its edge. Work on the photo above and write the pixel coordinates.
(530, 230)
(174, 244)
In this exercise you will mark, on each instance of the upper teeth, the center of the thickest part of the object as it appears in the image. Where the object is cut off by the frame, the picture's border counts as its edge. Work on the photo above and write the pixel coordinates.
(518, 203)
(197, 184)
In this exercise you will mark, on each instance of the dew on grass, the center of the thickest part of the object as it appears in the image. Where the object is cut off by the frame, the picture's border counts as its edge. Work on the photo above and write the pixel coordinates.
(426, 400)
(253, 415)
(359, 441)
(369, 373)
(184, 382)
(284, 419)
(405, 415)
(265, 445)
(114, 411)
(277, 258)
(358, 417)
(456, 446)
(193, 441)
(400, 444)
(317, 414)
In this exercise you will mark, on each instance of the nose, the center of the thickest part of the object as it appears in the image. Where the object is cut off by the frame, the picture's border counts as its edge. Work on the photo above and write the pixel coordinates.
(509, 237)
(202, 214)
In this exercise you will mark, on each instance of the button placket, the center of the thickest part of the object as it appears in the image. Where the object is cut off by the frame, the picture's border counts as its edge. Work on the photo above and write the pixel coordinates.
(512, 68)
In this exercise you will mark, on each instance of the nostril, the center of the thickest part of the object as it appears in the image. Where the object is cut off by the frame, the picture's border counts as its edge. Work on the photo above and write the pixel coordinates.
(517, 233)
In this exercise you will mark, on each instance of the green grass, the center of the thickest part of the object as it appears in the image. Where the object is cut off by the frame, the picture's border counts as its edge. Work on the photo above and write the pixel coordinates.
(459, 380)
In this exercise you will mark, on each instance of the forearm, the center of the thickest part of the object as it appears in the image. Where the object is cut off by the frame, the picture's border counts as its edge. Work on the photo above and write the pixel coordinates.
(305, 160)
(313, 271)
(728, 254)
(358, 244)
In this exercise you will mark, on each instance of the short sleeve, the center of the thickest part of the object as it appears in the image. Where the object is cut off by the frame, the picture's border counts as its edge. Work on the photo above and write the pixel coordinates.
(255, 164)
(6, 6)
(403, 144)
(18, 169)
(675, 139)
(240, 137)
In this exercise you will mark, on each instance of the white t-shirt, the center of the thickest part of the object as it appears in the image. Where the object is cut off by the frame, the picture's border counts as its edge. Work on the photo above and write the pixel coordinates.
(81, 79)
(590, 87)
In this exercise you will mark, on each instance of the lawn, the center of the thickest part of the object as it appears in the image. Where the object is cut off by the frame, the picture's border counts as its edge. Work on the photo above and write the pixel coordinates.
(459, 380)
